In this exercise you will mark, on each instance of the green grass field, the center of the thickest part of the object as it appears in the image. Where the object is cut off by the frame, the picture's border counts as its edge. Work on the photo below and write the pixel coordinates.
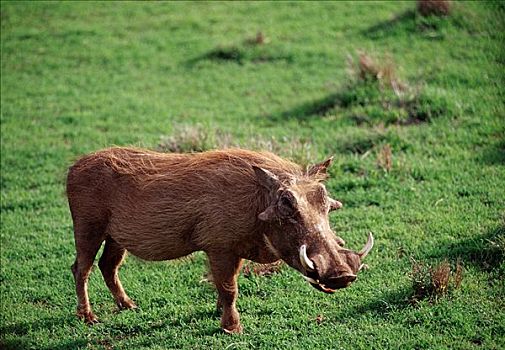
(77, 77)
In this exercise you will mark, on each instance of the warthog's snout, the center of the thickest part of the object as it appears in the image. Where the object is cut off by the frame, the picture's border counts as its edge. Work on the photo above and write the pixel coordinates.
(344, 272)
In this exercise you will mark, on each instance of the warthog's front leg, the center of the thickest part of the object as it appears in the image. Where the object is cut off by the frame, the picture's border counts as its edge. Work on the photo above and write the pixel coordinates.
(225, 269)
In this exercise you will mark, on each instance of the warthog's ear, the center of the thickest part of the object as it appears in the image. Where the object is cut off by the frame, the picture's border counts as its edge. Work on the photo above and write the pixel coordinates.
(265, 178)
(320, 169)
(268, 180)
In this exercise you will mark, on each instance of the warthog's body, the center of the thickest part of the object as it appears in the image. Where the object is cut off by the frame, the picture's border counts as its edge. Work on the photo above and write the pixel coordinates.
(165, 206)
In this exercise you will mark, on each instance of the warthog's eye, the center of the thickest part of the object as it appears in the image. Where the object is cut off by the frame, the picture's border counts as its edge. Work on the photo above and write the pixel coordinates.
(287, 205)
(286, 202)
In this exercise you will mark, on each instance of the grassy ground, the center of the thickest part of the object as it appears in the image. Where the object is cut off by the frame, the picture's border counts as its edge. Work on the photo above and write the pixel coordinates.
(77, 77)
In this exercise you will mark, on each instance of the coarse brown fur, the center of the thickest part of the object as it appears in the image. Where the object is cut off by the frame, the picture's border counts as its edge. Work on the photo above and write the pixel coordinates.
(232, 204)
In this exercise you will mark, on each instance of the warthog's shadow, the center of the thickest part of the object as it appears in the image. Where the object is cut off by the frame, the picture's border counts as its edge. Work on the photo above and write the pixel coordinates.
(21, 329)
(389, 301)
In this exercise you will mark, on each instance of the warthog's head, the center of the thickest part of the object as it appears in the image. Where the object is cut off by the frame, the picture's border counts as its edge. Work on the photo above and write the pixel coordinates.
(300, 233)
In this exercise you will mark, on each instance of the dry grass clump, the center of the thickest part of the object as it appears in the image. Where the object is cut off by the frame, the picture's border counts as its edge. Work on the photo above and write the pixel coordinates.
(440, 276)
(188, 139)
(375, 94)
(369, 68)
(458, 275)
(385, 158)
(434, 282)
(259, 39)
(434, 7)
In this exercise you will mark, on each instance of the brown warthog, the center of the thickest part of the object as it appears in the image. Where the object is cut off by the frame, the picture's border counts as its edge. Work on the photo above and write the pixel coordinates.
(232, 204)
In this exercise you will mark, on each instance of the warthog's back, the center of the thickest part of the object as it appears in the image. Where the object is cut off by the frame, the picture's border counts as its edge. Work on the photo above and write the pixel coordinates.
(163, 206)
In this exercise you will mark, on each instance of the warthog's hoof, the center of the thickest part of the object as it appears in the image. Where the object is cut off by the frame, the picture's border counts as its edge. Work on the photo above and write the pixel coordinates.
(87, 316)
(237, 329)
(126, 304)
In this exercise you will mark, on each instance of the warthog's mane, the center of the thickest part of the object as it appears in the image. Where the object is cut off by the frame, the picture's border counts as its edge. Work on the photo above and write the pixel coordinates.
(146, 166)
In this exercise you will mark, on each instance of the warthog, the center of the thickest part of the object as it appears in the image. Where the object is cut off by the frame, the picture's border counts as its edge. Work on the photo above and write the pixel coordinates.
(232, 204)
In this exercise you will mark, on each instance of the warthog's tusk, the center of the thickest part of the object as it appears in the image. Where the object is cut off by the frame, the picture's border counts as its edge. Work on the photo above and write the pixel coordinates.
(368, 246)
(310, 280)
(334, 204)
(326, 289)
(363, 267)
(344, 275)
(304, 259)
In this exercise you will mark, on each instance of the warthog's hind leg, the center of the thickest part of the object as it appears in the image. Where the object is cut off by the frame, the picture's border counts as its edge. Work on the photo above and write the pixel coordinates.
(88, 239)
(110, 261)
(225, 269)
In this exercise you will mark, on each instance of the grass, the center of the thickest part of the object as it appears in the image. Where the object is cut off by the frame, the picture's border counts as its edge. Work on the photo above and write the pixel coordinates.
(77, 77)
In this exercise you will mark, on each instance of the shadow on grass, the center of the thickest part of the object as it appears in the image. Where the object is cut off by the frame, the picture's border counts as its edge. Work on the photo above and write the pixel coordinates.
(494, 154)
(13, 335)
(407, 22)
(241, 54)
(486, 252)
(381, 306)
(17, 336)
(23, 328)
(229, 54)
(314, 108)
(404, 21)
(17, 344)
(122, 331)
(370, 102)
(387, 302)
